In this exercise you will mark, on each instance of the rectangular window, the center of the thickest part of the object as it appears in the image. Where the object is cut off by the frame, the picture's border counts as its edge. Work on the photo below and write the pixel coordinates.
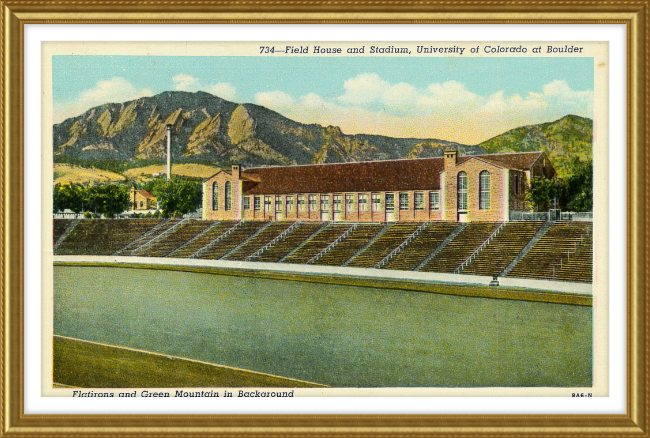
(267, 204)
(325, 203)
(376, 202)
(363, 202)
(313, 205)
(434, 201)
(302, 204)
(484, 193)
(419, 201)
(390, 202)
(290, 205)
(349, 202)
(403, 201)
(257, 203)
(278, 204)
(247, 202)
(338, 203)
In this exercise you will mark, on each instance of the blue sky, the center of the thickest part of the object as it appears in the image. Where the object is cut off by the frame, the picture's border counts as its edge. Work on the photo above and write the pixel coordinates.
(462, 98)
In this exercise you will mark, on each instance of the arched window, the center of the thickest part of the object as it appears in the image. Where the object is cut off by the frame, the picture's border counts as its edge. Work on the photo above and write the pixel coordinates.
(462, 191)
(215, 196)
(484, 190)
(228, 195)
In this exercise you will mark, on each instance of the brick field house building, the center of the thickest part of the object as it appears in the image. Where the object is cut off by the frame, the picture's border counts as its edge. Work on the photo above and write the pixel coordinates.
(449, 188)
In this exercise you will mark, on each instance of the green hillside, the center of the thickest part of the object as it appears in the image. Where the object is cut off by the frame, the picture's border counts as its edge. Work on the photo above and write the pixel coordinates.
(564, 140)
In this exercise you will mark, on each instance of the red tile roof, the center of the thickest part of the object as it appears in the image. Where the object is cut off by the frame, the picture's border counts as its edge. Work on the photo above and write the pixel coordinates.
(398, 175)
(517, 161)
(146, 194)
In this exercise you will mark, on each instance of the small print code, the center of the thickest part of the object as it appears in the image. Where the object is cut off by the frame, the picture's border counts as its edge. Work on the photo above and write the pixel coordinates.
(580, 394)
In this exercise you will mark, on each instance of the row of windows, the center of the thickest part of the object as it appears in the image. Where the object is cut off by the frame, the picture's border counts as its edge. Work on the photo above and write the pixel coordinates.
(312, 202)
(484, 183)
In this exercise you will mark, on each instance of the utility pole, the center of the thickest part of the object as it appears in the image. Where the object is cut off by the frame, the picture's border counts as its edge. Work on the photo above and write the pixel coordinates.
(168, 130)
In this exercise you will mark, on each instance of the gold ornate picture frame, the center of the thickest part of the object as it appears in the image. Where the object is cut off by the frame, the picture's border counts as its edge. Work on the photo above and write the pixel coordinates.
(15, 15)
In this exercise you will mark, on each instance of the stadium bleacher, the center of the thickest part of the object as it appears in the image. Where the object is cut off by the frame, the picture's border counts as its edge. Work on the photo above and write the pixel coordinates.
(423, 245)
(211, 234)
(276, 252)
(103, 237)
(350, 245)
(265, 236)
(319, 242)
(234, 239)
(380, 248)
(461, 247)
(564, 252)
(503, 249)
(557, 245)
(59, 227)
(175, 238)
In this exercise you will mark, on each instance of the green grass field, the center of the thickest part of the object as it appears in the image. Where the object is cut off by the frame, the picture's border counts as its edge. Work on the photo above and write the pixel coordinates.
(88, 365)
(341, 335)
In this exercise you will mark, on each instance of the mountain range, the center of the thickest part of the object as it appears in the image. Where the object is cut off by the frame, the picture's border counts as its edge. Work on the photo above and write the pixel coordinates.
(206, 128)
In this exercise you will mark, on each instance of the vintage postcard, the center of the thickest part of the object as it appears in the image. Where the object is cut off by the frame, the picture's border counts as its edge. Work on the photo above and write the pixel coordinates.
(308, 219)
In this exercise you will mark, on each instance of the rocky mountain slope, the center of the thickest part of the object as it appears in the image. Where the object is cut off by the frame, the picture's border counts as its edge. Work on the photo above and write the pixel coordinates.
(209, 129)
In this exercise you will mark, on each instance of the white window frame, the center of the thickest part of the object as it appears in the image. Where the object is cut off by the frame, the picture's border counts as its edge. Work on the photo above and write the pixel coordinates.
(404, 201)
(363, 202)
(483, 193)
(434, 201)
(418, 199)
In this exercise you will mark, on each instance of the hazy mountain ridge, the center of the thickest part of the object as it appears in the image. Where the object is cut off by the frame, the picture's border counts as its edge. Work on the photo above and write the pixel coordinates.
(208, 128)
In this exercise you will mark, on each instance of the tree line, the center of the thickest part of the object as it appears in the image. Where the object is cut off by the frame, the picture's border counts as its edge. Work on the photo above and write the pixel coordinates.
(175, 198)
(573, 193)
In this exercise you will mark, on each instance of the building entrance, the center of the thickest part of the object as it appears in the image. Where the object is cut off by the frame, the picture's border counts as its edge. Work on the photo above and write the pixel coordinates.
(390, 207)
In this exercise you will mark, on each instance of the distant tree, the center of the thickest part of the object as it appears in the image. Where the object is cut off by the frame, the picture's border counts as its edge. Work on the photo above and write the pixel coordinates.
(544, 191)
(68, 196)
(178, 196)
(109, 199)
(580, 186)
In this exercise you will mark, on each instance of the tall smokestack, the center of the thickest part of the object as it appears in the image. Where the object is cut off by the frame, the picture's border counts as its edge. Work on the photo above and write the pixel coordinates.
(169, 152)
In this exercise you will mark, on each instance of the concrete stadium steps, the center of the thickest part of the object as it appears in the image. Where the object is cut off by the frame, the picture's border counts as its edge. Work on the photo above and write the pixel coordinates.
(135, 250)
(579, 267)
(202, 241)
(176, 238)
(380, 248)
(103, 236)
(423, 245)
(461, 247)
(265, 236)
(503, 249)
(58, 228)
(289, 242)
(318, 243)
(237, 237)
(561, 242)
(342, 252)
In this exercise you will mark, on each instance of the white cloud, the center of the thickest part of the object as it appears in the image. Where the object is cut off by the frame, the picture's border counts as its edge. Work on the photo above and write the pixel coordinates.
(448, 110)
(183, 82)
(276, 100)
(116, 89)
(223, 89)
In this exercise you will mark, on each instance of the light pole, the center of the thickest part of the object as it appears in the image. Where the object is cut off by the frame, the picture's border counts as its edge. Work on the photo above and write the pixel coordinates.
(168, 130)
